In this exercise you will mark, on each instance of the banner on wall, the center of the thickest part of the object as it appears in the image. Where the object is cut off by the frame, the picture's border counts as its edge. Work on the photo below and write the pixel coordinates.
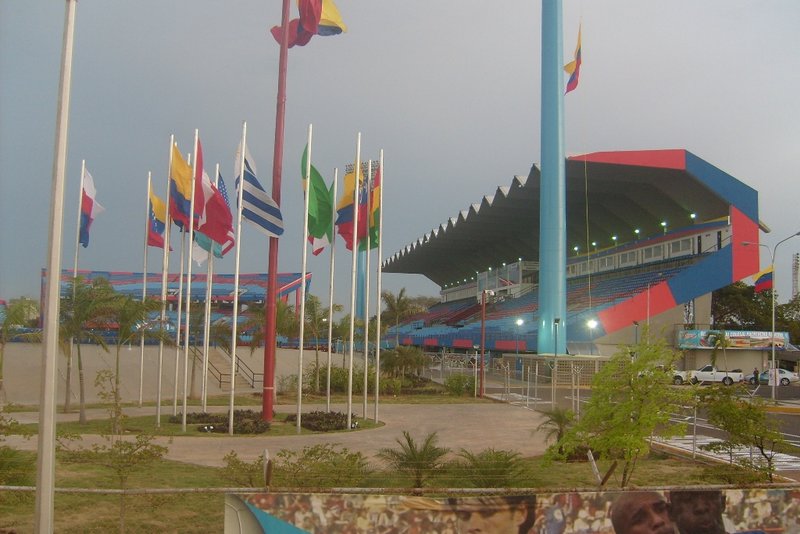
(751, 511)
(735, 339)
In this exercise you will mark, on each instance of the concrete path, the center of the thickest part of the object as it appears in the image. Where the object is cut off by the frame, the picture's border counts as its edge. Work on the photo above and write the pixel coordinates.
(474, 426)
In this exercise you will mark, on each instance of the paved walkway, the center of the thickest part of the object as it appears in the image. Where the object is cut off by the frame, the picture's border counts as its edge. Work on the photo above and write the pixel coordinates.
(473, 426)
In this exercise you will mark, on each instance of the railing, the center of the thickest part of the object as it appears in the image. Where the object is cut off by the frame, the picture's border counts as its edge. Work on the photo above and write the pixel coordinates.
(224, 378)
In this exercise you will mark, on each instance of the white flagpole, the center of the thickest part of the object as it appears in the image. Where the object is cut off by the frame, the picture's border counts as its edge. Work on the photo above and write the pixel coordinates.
(235, 317)
(179, 324)
(368, 192)
(357, 172)
(75, 271)
(189, 287)
(46, 459)
(144, 283)
(164, 281)
(307, 180)
(378, 291)
(330, 286)
(207, 325)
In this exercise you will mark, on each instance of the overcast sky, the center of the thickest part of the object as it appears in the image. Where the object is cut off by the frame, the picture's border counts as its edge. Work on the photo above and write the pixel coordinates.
(450, 89)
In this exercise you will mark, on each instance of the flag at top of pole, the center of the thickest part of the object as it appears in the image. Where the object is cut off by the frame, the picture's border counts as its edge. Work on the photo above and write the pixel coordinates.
(763, 280)
(257, 206)
(90, 208)
(573, 68)
(317, 17)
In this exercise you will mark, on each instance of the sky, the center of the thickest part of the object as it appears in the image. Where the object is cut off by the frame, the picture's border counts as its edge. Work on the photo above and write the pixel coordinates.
(449, 89)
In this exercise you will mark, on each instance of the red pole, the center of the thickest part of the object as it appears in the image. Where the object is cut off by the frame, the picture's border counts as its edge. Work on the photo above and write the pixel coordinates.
(271, 297)
(483, 337)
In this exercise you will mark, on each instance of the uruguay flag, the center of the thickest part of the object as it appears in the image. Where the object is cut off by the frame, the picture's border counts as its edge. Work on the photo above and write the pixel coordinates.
(257, 206)
(90, 208)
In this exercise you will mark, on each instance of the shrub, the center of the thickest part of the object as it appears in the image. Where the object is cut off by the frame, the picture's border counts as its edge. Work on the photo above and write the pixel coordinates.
(320, 466)
(244, 422)
(458, 384)
(322, 421)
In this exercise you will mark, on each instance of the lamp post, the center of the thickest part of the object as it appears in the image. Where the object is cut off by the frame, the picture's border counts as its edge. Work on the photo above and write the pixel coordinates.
(772, 266)
(519, 324)
(483, 335)
(592, 324)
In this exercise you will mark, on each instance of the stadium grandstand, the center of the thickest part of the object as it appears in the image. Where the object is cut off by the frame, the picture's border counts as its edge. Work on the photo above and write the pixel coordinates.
(650, 234)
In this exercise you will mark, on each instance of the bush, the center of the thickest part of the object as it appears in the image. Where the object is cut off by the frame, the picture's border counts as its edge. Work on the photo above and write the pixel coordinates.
(320, 466)
(322, 421)
(391, 386)
(244, 422)
(458, 384)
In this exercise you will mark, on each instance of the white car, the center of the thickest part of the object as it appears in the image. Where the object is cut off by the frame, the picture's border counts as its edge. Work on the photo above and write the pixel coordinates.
(784, 378)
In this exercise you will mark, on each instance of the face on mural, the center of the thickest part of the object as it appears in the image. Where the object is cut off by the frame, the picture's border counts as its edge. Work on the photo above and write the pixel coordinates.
(698, 512)
(641, 513)
(491, 515)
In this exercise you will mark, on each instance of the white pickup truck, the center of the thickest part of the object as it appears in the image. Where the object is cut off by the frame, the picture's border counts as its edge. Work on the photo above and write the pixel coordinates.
(709, 373)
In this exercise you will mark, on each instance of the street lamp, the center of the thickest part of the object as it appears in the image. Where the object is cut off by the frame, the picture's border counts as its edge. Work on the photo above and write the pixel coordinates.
(519, 324)
(772, 267)
(592, 324)
(483, 334)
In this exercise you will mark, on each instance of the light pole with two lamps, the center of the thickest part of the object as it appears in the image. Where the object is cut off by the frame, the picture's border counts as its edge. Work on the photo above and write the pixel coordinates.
(773, 370)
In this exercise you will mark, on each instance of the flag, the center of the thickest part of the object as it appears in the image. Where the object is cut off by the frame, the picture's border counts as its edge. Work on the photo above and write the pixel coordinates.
(320, 208)
(90, 208)
(257, 206)
(180, 188)
(202, 246)
(214, 219)
(157, 217)
(375, 210)
(344, 210)
(763, 280)
(317, 17)
(573, 68)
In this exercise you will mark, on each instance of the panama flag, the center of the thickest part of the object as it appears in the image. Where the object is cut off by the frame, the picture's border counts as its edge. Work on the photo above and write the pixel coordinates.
(763, 280)
(90, 208)
(573, 68)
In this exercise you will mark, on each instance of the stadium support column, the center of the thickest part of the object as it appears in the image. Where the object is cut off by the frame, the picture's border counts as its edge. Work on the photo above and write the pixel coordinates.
(552, 207)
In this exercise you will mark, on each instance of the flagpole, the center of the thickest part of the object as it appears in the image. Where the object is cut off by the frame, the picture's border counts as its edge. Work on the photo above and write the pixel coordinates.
(46, 458)
(357, 171)
(368, 192)
(164, 275)
(189, 280)
(330, 285)
(235, 317)
(74, 276)
(378, 289)
(307, 190)
(144, 283)
(179, 324)
(207, 325)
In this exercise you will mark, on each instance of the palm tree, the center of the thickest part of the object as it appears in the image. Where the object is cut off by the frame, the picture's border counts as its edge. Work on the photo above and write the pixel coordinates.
(397, 308)
(286, 322)
(131, 316)
(556, 424)
(491, 468)
(419, 461)
(86, 307)
(18, 313)
(316, 322)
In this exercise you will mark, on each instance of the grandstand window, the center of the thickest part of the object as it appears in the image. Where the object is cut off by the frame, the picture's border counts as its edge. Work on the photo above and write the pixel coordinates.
(627, 258)
(653, 252)
(681, 246)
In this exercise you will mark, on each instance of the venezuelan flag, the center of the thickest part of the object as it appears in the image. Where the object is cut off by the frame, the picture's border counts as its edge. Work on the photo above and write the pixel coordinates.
(764, 280)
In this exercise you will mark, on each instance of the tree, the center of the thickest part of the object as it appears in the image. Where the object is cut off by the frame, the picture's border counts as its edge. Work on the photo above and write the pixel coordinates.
(492, 468)
(745, 421)
(398, 307)
(17, 314)
(632, 400)
(132, 316)
(317, 321)
(84, 311)
(418, 461)
(557, 422)
(286, 322)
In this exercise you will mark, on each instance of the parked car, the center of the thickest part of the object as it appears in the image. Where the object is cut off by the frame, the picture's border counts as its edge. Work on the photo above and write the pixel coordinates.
(709, 374)
(784, 378)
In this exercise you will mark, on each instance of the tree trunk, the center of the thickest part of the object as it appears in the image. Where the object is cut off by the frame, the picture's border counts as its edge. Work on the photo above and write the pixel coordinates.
(316, 351)
(192, 392)
(82, 416)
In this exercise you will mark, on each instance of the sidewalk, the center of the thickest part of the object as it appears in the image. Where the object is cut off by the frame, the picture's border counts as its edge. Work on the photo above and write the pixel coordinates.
(474, 427)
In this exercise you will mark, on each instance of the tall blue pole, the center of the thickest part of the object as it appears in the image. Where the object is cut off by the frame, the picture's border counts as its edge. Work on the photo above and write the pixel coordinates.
(552, 203)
